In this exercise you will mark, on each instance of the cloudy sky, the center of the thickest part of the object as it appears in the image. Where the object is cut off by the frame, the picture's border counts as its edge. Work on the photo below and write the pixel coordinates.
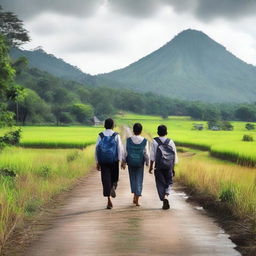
(99, 36)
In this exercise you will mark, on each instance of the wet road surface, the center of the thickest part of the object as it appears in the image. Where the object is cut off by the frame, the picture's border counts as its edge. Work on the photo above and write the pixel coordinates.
(84, 227)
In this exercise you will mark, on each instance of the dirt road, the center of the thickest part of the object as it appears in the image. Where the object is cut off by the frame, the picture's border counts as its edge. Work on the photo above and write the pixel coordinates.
(85, 228)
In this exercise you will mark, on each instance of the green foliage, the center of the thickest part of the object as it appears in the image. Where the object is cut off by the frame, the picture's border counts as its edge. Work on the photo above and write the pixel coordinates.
(220, 125)
(246, 113)
(11, 138)
(44, 171)
(82, 112)
(11, 27)
(228, 193)
(247, 137)
(249, 126)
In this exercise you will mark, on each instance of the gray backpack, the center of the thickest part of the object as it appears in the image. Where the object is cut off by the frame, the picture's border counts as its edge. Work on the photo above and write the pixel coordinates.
(165, 155)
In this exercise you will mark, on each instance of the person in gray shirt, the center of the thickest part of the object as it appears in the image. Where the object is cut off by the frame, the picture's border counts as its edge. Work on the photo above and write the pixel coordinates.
(163, 176)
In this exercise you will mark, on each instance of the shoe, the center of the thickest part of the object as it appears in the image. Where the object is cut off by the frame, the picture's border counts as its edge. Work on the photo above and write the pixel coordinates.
(113, 192)
(166, 205)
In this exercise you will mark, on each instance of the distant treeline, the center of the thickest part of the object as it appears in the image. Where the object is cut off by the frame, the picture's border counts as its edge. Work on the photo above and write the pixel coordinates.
(48, 99)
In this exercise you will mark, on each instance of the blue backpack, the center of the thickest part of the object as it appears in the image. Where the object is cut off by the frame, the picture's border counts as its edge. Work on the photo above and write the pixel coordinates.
(107, 149)
(135, 156)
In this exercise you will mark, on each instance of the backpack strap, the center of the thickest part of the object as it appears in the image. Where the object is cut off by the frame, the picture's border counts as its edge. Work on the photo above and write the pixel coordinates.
(144, 142)
(101, 135)
(114, 134)
(166, 141)
(159, 142)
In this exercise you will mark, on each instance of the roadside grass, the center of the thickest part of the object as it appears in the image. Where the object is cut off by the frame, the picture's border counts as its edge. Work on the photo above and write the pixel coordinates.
(40, 174)
(223, 181)
(223, 144)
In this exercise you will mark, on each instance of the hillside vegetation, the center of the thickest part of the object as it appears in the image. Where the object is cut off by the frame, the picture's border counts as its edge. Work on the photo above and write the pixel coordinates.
(192, 66)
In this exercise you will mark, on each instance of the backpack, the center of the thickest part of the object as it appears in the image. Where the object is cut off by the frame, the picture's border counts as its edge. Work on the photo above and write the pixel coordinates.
(165, 155)
(135, 156)
(107, 149)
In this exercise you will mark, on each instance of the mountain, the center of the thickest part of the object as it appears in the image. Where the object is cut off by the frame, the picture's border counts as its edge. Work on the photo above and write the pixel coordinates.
(38, 58)
(192, 66)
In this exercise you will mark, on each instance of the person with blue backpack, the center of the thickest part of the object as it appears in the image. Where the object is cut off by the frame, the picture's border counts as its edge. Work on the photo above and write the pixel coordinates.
(136, 155)
(108, 153)
(164, 155)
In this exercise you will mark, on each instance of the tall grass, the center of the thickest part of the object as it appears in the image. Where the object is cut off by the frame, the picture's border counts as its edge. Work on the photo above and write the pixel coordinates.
(231, 184)
(41, 173)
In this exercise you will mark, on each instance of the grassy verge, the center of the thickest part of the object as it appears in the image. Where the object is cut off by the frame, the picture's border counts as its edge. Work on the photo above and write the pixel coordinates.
(40, 174)
(230, 187)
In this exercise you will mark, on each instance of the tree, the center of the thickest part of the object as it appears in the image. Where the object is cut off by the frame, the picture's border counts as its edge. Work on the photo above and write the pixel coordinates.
(11, 27)
(82, 112)
(33, 108)
(245, 113)
(6, 81)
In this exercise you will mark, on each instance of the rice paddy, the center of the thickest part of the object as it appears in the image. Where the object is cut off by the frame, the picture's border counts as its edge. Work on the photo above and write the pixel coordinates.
(58, 137)
(223, 144)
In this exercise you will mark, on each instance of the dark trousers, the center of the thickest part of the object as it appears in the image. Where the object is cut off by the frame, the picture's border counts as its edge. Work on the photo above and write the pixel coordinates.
(109, 177)
(163, 182)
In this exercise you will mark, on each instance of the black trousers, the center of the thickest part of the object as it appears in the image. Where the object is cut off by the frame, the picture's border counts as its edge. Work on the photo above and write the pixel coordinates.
(109, 177)
(163, 182)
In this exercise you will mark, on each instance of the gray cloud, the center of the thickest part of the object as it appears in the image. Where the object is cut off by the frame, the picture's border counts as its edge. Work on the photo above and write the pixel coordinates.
(27, 9)
(203, 9)
(209, 9)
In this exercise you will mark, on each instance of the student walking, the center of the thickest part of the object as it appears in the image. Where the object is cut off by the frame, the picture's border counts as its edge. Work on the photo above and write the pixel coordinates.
(108, 153)
(163, 153)
(136, 155)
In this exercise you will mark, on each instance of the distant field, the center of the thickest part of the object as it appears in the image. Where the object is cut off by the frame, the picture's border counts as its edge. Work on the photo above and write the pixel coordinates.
(58, 137)
(224, 144)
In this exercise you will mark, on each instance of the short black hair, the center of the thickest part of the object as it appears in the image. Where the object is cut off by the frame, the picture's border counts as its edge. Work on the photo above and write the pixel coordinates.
(137, 128)
(109, 123)
(162, 130)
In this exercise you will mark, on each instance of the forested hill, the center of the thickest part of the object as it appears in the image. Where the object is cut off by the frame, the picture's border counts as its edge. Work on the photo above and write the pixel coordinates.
(38, 58)
(192, 66)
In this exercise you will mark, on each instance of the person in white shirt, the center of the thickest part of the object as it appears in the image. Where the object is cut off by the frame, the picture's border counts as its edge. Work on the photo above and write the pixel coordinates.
(163, 176)
(108, 153)
(136, 155)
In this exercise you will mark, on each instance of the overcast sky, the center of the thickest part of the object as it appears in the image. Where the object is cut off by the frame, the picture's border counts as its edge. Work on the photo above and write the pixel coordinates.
(99, 36)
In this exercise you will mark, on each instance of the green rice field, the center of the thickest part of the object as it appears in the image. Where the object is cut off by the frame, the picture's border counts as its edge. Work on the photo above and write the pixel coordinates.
(223, 144)
(58, 137)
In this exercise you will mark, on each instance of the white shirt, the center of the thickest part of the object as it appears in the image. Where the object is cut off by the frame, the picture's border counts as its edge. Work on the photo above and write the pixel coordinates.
(137, 139)
(109, 132)
(154, 146)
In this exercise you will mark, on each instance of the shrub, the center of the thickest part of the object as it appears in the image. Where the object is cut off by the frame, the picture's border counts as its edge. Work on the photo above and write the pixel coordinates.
(72, 156)
(249, 126)
(11, 138)
(228, 193)
(227, 126)
(247, 137)
(44, 171)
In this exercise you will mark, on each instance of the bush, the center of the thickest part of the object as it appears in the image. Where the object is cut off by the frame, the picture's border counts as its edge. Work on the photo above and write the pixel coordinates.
(11, 138)
(44, 171)
(247, 137)
(249, 126)
(227, 126)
